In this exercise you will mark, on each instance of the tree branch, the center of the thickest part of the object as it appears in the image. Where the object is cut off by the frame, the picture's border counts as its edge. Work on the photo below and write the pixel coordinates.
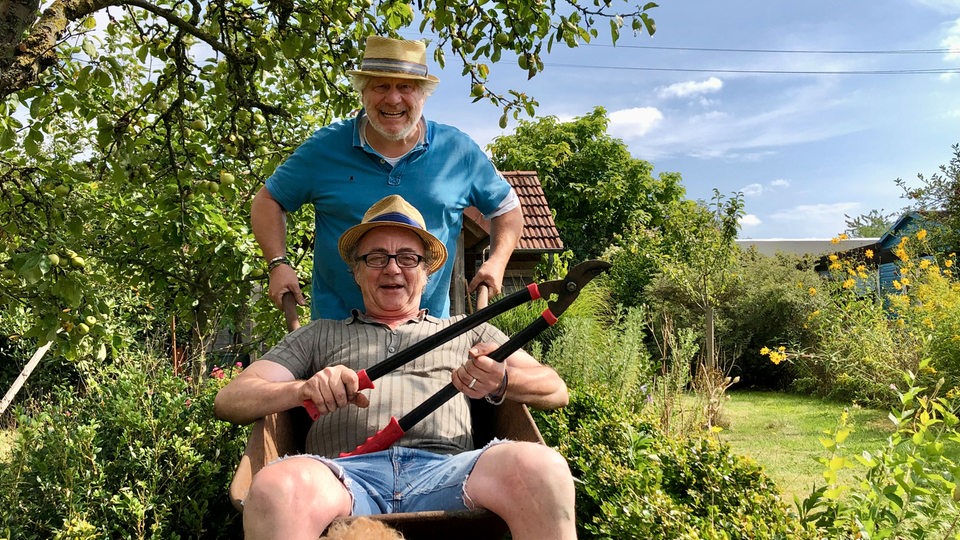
(37, 52)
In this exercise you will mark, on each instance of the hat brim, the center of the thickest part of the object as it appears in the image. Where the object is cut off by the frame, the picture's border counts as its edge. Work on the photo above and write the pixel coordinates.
(393, 75)
(437, 251)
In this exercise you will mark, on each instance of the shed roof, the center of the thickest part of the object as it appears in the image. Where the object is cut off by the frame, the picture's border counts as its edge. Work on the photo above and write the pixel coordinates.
(539, 230)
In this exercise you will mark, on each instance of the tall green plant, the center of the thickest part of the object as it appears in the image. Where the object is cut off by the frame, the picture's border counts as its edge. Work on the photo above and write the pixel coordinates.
(909, 486)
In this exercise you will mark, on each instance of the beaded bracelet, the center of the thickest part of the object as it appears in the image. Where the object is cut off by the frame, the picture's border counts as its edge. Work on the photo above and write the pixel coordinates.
(277, 261)
(501, 393)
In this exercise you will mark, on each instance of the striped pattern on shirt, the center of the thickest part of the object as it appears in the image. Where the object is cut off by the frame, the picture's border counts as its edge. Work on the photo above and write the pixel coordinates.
(360, 343)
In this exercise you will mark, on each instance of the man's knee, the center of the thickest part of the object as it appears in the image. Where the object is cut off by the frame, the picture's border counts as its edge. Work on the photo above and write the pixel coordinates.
(524, 465)
(298, 484)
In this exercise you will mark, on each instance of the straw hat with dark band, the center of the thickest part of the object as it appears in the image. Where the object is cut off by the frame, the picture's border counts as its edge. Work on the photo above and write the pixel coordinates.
(394, 211)
(400, 58)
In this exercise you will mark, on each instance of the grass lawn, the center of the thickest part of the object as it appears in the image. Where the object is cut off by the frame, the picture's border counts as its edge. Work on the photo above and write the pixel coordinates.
(782, 432)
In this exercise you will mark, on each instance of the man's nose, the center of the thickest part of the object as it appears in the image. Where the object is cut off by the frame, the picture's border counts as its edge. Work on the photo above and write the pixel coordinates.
(394, 95)
(393, 265)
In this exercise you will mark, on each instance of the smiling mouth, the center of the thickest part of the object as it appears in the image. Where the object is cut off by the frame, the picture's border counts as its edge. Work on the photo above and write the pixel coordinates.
(393, 114)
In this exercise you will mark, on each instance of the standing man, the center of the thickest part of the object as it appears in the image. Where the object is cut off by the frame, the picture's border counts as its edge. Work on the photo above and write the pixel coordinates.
(387, 149)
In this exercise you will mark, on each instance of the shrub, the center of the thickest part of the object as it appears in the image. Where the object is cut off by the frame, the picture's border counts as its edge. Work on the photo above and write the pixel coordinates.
(908, 488)
(770, 305)
(632, 482)
(867, 341)
(134, 453)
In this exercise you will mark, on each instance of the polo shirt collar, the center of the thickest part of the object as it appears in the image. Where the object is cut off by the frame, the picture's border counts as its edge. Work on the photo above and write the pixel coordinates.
(357, 316)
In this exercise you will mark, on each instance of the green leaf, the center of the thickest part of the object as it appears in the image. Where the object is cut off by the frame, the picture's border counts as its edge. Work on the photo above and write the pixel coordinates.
(89, 48)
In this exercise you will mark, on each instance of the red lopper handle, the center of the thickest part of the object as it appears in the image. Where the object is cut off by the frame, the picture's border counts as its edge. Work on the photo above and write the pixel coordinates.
(382, 440)
(365, 384)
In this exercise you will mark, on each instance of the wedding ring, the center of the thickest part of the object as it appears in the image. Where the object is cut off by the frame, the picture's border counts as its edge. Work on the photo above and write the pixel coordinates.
(473, 382)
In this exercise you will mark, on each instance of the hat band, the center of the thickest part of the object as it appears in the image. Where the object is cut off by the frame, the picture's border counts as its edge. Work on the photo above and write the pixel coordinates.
(391, 65)
(396, 217)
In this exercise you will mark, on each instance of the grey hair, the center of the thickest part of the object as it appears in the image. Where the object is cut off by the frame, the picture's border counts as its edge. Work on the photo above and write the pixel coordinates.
(359, 83)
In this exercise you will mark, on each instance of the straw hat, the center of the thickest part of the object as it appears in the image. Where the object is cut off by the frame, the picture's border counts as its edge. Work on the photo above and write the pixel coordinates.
(400, 58)
(394, 211)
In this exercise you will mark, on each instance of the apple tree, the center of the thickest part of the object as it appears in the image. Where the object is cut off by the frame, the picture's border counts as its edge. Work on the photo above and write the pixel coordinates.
(134, 133)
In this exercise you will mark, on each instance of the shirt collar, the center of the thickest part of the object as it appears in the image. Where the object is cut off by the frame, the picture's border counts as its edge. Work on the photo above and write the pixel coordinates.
(357, 316)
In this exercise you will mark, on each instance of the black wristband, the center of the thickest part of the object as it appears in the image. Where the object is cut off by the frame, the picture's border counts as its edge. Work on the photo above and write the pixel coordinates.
(277, 261)
(497, 397)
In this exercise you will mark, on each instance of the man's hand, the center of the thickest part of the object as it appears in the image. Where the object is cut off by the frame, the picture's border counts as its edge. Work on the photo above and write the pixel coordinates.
(332, 388)
(480, 375)
(283, 279)
(489, 274)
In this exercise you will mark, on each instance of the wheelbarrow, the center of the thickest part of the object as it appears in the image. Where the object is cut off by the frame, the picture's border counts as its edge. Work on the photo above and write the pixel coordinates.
(284, 433)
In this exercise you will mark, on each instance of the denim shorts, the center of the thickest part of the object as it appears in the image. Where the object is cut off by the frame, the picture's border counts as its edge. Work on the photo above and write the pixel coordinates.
(403, 479)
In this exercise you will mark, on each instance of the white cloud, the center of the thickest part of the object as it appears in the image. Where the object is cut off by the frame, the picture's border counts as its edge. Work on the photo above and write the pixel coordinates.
(750, 220)
(817, 212)
(691, 88)
(757, 189)
(635, 122)
(943, 6)
(952, 42)
(780, 183)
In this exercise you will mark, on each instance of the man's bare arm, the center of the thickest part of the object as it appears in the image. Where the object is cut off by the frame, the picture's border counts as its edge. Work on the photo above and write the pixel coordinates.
(505, 231)
(263, 388)
(269, 224)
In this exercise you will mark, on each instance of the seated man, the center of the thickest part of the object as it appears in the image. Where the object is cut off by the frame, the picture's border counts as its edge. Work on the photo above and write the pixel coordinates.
(434, 466)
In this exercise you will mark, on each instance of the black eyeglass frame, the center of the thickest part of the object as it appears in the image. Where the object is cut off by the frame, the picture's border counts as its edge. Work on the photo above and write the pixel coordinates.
(395, 256)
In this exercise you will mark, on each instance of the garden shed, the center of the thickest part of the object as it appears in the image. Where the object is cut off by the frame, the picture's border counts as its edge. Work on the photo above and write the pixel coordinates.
(540, 237)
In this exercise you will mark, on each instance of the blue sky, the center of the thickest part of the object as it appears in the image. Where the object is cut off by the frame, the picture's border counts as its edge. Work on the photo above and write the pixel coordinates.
(804, 148)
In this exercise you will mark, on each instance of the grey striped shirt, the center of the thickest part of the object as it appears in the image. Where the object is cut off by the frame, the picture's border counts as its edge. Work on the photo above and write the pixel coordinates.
(360, 343)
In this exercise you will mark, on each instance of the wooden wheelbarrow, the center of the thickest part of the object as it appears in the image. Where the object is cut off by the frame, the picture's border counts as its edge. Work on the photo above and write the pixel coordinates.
(284, 433)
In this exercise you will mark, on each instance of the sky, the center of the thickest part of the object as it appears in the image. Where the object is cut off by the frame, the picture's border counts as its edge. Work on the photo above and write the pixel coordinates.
(762, 98)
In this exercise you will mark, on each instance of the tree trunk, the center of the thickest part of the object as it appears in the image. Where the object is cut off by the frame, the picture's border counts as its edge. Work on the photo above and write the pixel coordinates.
(710, 358)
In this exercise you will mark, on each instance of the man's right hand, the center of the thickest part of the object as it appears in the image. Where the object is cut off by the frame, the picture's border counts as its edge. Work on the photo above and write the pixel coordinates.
(333, 387)
(283, 279)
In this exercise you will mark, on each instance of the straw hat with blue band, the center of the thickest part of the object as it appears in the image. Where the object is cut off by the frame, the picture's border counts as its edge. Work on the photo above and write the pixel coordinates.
(394, 211)
(399, 58)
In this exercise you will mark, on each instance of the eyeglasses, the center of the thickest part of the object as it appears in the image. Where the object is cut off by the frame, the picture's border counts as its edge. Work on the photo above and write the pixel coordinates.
(381, 260)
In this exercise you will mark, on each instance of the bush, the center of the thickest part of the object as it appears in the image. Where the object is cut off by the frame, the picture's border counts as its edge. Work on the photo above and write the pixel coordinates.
(908, 488)
(635, 483)
(134, 453)
(769, 306)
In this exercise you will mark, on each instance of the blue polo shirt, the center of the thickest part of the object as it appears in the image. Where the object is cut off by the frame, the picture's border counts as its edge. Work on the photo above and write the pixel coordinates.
(342, 177)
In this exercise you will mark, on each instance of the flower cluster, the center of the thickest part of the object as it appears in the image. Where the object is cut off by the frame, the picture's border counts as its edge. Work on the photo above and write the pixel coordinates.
(776, 356)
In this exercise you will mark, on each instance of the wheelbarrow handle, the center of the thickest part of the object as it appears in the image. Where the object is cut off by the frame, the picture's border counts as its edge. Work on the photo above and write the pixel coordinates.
(290, 314)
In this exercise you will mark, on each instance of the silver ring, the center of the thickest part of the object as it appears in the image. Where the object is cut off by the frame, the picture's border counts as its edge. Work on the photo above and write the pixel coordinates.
(473, 382)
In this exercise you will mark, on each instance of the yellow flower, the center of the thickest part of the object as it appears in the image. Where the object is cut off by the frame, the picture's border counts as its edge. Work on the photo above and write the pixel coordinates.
(948, 263)
(764, 351)
(924, 263)
(833, 257)
(869, 253)
(849, 283)
(813, 291)
(897, 285)
(921, 234)
(904, 281)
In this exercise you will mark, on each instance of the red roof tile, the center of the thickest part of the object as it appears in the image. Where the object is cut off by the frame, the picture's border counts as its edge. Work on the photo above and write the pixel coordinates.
(539, 230)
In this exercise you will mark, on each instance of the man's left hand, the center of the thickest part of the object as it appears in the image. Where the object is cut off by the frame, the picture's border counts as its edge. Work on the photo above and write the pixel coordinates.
(480, 375)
